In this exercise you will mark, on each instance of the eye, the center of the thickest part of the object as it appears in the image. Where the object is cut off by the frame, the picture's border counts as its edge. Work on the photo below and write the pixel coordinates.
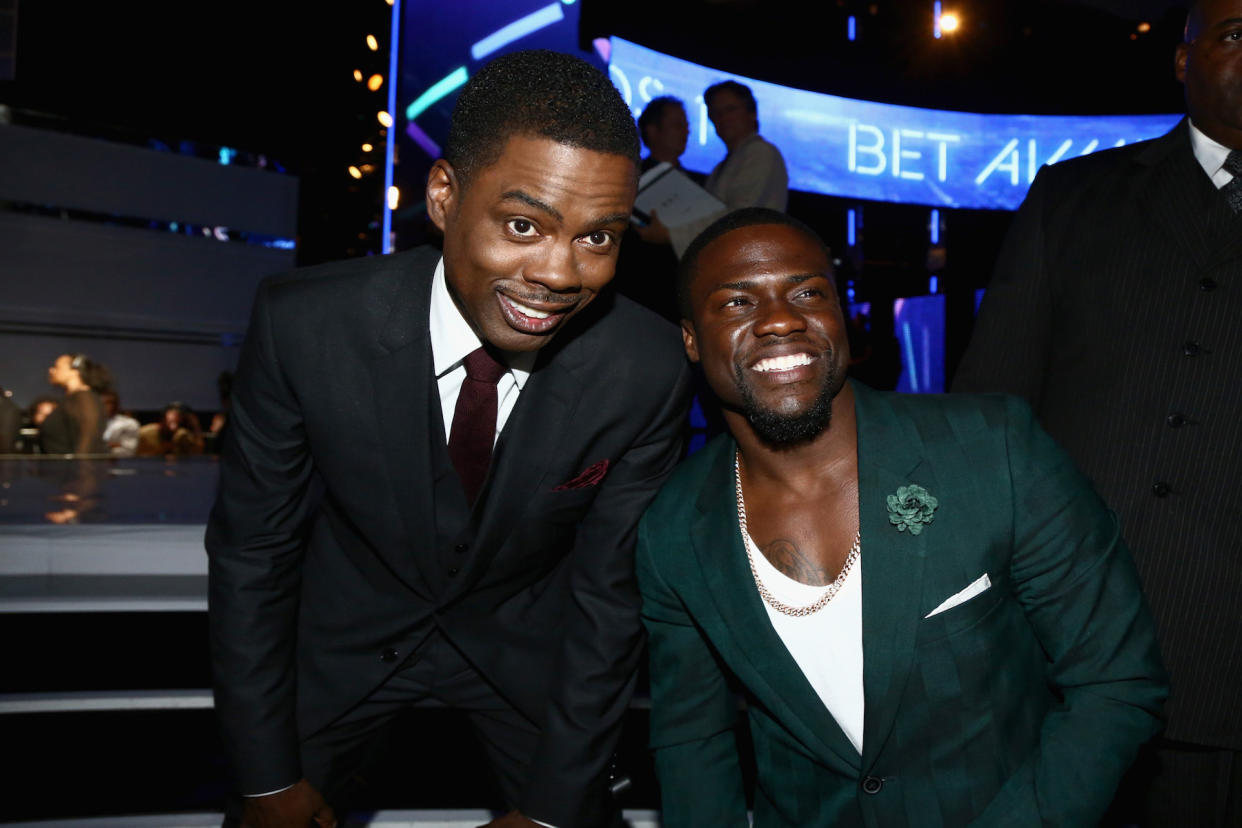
(521, 227)
(736, 302)
(600, 238)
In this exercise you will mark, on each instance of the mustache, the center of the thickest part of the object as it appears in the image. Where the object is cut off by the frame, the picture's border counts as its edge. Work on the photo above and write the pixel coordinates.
(544, 298)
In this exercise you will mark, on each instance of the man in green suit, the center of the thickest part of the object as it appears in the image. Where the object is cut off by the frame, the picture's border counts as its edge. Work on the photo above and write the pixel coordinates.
(933, 620)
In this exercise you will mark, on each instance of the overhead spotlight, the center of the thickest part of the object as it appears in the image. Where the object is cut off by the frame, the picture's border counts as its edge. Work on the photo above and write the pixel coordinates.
(384, 118)
(950, 23)
(1144, 27)
(355, 172)
(372, 43)
(375, 82)
(358, 75)
(367, 147)
(394, 196)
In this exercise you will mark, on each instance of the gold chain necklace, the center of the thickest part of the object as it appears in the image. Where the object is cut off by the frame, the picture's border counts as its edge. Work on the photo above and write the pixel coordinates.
(771, 600)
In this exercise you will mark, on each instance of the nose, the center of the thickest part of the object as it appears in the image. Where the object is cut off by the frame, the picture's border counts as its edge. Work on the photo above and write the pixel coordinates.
(555, 268)
(779, 318)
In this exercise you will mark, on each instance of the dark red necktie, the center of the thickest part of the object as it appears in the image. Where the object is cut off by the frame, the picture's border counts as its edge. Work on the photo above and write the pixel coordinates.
(474, 421)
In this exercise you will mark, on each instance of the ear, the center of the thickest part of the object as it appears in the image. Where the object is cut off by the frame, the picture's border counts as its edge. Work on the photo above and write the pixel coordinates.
(688, 339)
(443, 192)
(1179, 61)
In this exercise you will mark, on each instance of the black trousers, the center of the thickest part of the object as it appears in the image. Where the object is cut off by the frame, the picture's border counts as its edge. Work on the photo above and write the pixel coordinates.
(335, 759)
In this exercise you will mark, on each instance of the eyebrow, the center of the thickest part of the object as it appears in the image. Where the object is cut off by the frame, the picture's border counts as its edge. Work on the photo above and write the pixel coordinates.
(543, 206)
(747, 284)
(531, 201)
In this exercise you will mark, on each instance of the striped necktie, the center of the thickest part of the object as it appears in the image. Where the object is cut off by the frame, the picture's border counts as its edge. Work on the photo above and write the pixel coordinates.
(1233, 190)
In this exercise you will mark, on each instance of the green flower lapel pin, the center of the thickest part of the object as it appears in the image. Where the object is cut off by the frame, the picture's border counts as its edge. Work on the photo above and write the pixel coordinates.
(911, 508)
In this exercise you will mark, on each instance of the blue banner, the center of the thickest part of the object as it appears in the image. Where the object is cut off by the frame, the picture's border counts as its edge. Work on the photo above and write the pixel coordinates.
(881, 152)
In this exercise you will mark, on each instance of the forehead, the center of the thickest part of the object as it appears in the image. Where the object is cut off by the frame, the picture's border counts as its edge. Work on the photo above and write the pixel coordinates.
(1218, 11)
(672, 113)
(757, 251)
(725, 99)
(534, 162)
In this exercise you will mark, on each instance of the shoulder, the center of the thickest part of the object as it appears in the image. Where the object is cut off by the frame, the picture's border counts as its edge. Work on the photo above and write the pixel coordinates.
(351, 277)
(1089, 172)
(621, 337)
(679, 495)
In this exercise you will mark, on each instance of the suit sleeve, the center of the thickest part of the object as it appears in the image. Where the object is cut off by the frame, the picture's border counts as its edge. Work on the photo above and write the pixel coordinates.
(255, 547)
(601, 636)
(693, 710)
(1009, 349)
(1078, 587)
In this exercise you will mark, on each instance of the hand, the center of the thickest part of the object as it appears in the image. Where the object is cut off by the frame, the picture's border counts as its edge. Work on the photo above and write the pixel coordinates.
(293, 807)
(654, 231)
(513, 819)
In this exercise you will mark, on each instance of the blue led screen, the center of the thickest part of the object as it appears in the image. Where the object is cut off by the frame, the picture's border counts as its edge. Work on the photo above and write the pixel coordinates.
(918, 322)
(881, 152)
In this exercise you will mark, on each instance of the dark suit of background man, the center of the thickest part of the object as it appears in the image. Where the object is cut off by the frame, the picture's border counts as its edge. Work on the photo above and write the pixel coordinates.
(1116, 310)
(352, 571)
(933, 618)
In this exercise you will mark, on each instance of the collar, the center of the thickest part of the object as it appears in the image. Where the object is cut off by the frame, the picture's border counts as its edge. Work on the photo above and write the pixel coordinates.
(1210, 155)
(452, 338)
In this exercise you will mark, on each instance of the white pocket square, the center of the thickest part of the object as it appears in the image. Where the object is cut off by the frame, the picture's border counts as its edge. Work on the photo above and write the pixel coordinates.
(980, 585)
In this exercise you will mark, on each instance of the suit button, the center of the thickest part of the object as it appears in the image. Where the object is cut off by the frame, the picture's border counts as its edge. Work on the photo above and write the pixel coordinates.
(1191, 348)
(388, 656)
(872, 785)
(1175, 420)
(460, 548)
(1161, 489)
(452, 571)
(1207, 283)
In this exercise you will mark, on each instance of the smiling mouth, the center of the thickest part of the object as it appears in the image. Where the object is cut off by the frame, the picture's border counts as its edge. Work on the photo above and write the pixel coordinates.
(528, 319)
(782, 363)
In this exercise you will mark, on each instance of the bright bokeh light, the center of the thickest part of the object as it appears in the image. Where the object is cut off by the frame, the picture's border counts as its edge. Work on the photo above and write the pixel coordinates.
(367, 147)
(394, 196)
(372, 43)
(355, 172)
(1144, 27)
(384, 118)
(950, 23)
(358, 75)
(375, 82)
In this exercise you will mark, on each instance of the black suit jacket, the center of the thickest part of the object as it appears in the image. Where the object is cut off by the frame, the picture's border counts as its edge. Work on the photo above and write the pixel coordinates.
(1114, 310)
(322, 542)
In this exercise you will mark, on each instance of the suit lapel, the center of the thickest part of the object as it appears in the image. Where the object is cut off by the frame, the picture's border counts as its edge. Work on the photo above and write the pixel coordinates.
(1173, 193)
(404, 389)
(766, 667)
(535, 432)
(890, 455)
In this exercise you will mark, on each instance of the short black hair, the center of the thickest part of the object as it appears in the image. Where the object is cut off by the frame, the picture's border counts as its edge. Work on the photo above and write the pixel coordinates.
(540, 93)
(654, 113)
(745, 217)
(739, 89)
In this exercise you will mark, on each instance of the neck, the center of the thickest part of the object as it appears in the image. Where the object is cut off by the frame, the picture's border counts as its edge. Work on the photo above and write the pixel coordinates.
(666, 157)
(732, 145)
(75, 384)
(1223, 134)
(829, 459)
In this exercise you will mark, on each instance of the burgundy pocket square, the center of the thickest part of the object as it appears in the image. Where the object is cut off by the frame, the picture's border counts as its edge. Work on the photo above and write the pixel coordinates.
(589, 477)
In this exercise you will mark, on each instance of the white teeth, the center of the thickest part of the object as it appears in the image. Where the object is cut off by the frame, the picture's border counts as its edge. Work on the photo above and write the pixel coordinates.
(782, 363)
(531, 312)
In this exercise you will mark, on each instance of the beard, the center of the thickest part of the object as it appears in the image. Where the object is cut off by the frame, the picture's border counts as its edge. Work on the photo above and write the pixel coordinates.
(782, 430)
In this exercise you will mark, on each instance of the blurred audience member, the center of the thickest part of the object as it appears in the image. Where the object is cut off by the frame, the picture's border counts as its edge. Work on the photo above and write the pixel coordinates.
(10, 421)
(753, 172)
(121, 430)
(177, 432)
(1114, 311)
(646, 265)
(76, 426)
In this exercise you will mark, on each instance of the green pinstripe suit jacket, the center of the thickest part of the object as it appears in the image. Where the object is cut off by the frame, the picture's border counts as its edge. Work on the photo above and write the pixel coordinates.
(1021, 706)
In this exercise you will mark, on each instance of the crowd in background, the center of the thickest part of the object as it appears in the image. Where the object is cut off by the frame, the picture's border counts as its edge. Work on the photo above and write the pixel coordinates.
(86, 418)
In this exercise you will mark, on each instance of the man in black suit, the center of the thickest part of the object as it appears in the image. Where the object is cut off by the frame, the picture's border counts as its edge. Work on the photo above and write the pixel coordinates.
(1114, 310)
(365, 552)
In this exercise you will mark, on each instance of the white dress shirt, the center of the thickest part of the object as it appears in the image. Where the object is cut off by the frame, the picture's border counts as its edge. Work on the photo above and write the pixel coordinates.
(1211, 156)
(452, 340)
